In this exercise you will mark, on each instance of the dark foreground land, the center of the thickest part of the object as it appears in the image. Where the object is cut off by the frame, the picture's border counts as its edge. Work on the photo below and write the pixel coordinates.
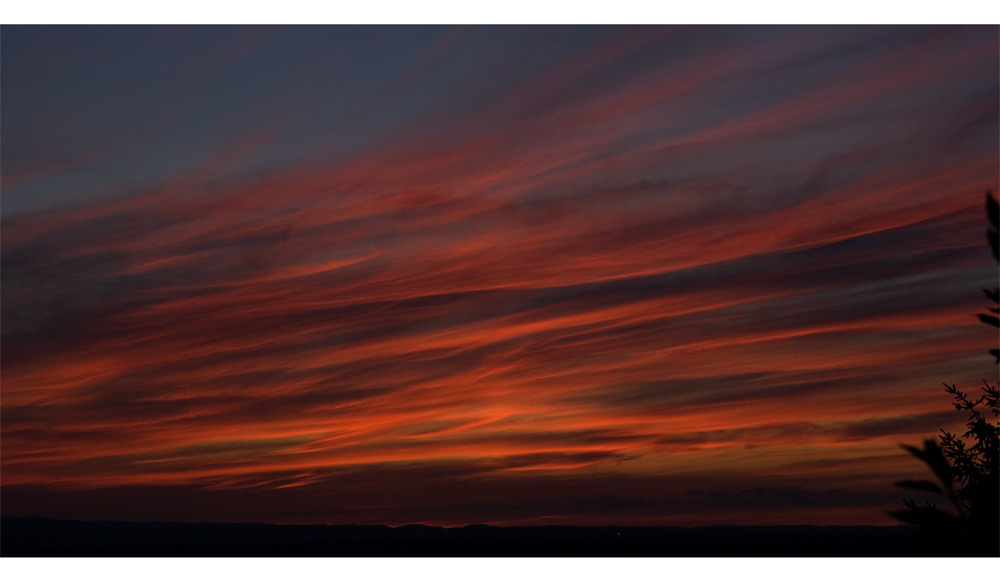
(40, 537)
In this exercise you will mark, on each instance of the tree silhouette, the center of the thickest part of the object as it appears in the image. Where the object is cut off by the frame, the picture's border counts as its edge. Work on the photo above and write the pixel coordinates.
(969, 473)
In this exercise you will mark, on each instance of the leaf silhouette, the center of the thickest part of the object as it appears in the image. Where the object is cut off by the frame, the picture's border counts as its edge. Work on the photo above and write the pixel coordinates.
(993, 211)
(990, 320)
(934, 457)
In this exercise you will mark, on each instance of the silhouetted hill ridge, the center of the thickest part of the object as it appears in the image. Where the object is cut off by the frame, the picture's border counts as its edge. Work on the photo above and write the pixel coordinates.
(38, 536)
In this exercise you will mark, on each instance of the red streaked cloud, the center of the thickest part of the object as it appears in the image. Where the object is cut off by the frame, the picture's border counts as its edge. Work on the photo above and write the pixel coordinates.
(629, 270)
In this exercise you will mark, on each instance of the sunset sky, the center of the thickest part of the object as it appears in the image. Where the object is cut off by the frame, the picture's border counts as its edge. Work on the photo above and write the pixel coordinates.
(503, 275)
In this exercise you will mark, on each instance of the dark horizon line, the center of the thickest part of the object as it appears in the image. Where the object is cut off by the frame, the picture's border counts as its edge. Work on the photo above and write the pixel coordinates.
(47, 537)
(449, 527)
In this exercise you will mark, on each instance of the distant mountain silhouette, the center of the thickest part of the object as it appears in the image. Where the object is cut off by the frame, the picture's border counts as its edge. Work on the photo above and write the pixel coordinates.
(41, 537)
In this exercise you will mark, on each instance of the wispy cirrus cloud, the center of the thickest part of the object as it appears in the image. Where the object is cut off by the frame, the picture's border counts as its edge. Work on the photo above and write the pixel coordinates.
(640, 256)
